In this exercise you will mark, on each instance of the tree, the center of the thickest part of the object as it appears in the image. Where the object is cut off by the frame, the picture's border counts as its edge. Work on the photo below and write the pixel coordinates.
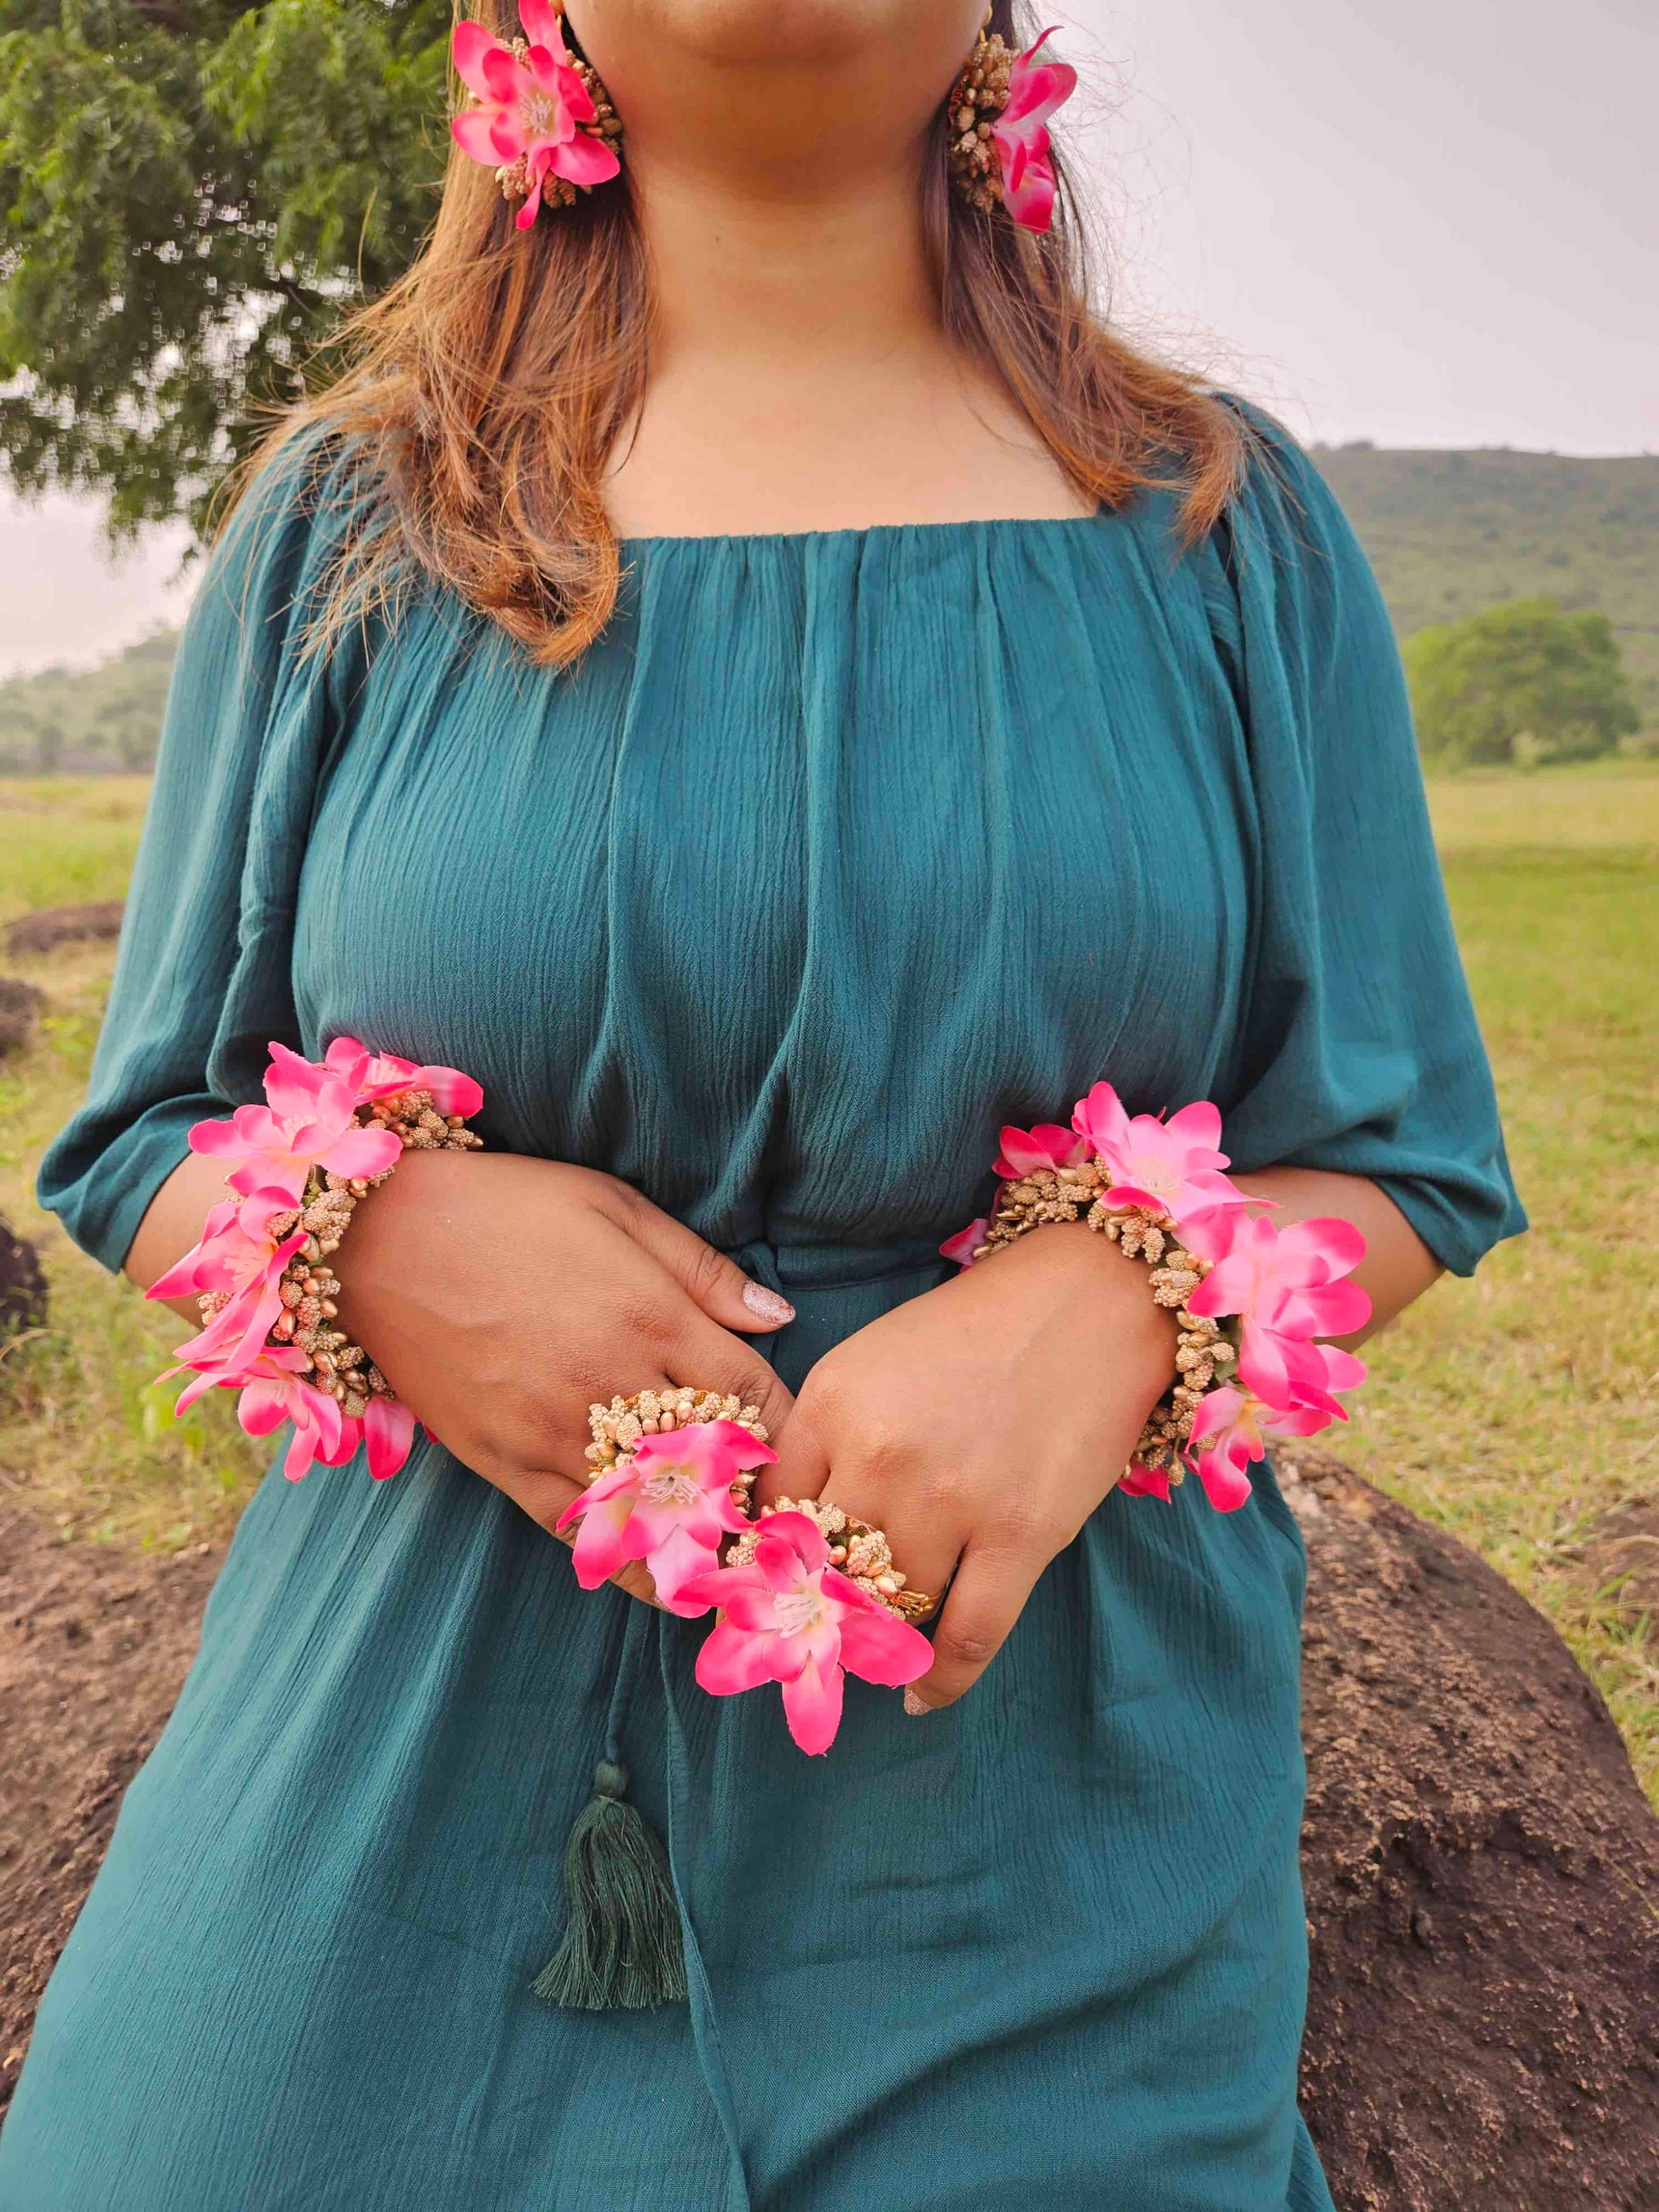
(190, 193)
(1520, 681)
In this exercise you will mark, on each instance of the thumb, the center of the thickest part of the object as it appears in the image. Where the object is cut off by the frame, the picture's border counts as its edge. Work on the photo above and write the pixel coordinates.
(709, 1278)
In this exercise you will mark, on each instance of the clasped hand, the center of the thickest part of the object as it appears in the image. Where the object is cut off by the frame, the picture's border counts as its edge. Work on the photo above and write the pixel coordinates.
(980, 1424)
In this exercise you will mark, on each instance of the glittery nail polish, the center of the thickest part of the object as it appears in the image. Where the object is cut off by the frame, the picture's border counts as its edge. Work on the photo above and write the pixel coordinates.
(766, 1305)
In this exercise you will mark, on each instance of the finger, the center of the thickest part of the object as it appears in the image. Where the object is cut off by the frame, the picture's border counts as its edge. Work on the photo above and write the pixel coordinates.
(543, 1495)
(709, 1278)
(710, 1358)
(986, 1600)
(803, 1467)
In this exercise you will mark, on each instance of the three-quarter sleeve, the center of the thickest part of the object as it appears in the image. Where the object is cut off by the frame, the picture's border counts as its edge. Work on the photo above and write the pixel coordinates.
(1358, 1050)
(202, 974)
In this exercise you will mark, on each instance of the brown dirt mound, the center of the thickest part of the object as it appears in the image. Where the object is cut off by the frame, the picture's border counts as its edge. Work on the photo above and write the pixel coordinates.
(1482, 1869)
(49, 926)
(1482, 1874)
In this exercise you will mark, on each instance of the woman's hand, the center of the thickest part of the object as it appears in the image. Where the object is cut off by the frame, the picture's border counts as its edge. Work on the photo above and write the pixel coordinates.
(502, 1296)
(980, 1424)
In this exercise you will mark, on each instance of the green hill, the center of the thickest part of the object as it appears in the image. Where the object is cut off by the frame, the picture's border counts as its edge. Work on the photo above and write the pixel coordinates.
(1451, 532)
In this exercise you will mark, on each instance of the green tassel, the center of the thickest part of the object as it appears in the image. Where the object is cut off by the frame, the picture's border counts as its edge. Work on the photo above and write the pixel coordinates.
(621, 1946)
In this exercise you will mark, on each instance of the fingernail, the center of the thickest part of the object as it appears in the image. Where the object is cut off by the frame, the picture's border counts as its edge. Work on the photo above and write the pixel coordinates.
(913, 1704)
(766, 1305)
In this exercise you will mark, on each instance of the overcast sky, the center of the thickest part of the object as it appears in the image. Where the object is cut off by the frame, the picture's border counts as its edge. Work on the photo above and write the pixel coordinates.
(1425, 222)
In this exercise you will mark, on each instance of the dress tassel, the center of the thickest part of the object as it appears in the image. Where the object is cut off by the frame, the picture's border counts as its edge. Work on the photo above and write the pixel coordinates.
(622, 1949)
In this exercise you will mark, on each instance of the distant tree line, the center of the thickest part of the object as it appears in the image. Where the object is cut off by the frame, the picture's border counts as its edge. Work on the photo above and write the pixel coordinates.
(1521, 682)
(87, 720)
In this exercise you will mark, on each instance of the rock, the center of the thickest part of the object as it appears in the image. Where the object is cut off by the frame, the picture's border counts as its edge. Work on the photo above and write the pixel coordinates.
(20, 1002)
(1482, 1878)
(22, 1285)
(52, 925)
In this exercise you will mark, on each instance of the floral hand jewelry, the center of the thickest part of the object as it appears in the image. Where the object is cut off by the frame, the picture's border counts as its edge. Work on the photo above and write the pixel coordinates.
(330, 1130)
(804, 1593)
(1250, 1300)
(542, 119)
(1000, 150)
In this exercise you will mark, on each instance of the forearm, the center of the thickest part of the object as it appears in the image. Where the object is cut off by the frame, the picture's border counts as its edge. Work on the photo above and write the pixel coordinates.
(1398, 1266)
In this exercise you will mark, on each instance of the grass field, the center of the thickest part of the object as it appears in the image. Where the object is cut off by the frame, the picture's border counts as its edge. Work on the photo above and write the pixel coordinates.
(1513, 1409)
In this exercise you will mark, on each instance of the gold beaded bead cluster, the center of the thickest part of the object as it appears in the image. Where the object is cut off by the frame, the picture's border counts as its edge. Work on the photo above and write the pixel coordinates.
(977, 98)
(1203, 1347)
(617, 1427)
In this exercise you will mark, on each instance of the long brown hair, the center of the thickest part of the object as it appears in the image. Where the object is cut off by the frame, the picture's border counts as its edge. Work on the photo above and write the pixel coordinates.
(486, 390)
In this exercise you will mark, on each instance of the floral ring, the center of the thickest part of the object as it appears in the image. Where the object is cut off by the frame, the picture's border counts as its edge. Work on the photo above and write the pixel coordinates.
(698, 1495)
(861, 1551)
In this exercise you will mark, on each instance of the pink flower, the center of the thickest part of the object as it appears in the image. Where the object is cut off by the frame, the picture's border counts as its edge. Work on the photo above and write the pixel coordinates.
(670, 1504)
(388, 1427)
(1285, 1285)
(965, 1244)
(1229, 1432)
(1138, 1481)
(383, 1075)
(308, 1122)
(790, 1617)
(1020, 135)
(1048, 1145)
(274, 1390)
(1298, 1375)
(528, 110)
(1165, 1167)
(238, 1254)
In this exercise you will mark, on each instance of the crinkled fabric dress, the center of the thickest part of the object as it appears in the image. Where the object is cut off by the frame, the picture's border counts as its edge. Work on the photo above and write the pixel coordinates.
(838, 851)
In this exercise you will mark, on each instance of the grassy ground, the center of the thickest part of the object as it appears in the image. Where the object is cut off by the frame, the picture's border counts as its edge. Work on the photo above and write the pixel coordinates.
(1513, 1409)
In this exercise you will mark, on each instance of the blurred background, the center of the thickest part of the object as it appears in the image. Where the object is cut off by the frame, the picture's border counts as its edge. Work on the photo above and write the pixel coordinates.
(1423, 235)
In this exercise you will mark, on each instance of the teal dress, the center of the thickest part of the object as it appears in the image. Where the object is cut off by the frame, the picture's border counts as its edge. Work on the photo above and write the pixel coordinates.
(838, 851)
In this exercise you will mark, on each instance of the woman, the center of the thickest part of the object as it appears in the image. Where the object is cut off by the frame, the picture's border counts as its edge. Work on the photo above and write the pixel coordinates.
(747, 670)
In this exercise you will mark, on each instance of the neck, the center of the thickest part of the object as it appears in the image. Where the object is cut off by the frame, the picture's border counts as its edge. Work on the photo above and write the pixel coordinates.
(784, 276)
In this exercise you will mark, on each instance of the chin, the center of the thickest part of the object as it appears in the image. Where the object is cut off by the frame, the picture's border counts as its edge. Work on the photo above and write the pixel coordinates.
(782, 34)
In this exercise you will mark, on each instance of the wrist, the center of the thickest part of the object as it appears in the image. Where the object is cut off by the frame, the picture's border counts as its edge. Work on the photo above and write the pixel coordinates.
(1101, 1299)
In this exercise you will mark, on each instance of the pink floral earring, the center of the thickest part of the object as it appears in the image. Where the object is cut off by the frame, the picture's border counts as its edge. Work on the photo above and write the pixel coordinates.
(1000, 150)
(540, 117)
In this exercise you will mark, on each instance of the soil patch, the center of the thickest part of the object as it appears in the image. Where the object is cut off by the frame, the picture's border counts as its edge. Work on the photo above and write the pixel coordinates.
(1482, 1868)
(94, 1642)
(49, 926)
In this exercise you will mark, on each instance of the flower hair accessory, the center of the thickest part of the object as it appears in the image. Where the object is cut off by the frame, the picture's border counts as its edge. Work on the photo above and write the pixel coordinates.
(540, 118)
(1000, 153)
(262, 1272)
(1250, 1300)
(805, 1594)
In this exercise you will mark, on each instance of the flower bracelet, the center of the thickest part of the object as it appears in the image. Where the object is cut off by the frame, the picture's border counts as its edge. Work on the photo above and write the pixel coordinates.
(804, 1593)
(1250, 1300)
(329, 1132)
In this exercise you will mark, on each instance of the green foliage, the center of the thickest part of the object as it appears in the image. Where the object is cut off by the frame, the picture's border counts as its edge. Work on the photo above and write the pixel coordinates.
(1520, 682)
(1451, 532)
(190, 193)
(104, 718)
